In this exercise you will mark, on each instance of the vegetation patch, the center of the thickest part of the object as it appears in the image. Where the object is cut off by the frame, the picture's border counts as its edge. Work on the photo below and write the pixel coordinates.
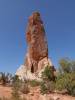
(34, 83)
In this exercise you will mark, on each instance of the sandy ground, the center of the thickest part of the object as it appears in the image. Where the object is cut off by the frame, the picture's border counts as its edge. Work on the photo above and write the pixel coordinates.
(34, 94)
(5, 91)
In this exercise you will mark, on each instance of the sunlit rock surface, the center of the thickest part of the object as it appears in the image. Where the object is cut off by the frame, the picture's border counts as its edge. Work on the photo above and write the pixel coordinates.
(37, 51)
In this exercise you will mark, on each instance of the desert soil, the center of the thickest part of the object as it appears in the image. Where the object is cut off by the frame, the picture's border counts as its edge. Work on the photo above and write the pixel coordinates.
(35, 94)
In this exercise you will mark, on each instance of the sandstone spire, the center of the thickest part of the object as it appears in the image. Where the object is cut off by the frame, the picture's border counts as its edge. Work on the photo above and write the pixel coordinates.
(37, 43)
(37, 52)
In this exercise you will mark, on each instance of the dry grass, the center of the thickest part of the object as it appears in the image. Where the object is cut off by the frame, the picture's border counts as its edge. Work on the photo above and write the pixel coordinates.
(33, 95)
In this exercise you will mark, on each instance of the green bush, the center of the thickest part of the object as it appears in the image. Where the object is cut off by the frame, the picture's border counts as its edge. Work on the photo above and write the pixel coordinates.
(66, 82)
(48, 84)
(66, 65)
(47, 87)
(51, 86)
(34, 83)
(48, 74)
(66, 78)
(43, 88)
(71, 88)
(60, 82)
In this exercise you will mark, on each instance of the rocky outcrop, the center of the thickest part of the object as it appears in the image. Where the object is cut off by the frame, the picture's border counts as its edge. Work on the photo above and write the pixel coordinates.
(37, 43)
(37, 53)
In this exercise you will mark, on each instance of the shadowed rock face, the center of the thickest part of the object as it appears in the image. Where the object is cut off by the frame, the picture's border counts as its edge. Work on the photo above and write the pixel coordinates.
(37, 43)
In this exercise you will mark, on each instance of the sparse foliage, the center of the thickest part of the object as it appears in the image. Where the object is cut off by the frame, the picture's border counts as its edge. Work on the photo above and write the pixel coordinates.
(43, 88)
(48, 74)
(5, 78)
(15, 88)
(66, 78)
(66, 65)
(48, 77)
(34, 83)
(24, 87)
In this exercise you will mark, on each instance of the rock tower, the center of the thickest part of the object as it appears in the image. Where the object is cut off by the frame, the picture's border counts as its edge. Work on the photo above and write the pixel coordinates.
(37, 52)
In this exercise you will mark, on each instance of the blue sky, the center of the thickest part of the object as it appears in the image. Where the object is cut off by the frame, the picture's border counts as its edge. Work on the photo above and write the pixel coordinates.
(59, 22)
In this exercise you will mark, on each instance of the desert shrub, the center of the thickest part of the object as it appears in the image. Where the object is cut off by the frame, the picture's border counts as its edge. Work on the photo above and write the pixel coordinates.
(71, 88)
(19, 86)
(48, 84)
(60, 82)
(66, 82)
(3, 78)
(15, 88)
(24, 87)
(43, 88)
(48, 74)
(47, 87)
(34, 83)
(66, 65)
(66, 78)
(15, 78)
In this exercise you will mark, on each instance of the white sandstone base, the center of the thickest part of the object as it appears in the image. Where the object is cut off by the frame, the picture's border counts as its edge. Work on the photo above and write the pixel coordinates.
(26, 74)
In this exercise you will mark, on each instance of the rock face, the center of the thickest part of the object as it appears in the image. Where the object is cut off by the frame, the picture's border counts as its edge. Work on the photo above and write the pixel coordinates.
(37, 43)
(37, 53)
